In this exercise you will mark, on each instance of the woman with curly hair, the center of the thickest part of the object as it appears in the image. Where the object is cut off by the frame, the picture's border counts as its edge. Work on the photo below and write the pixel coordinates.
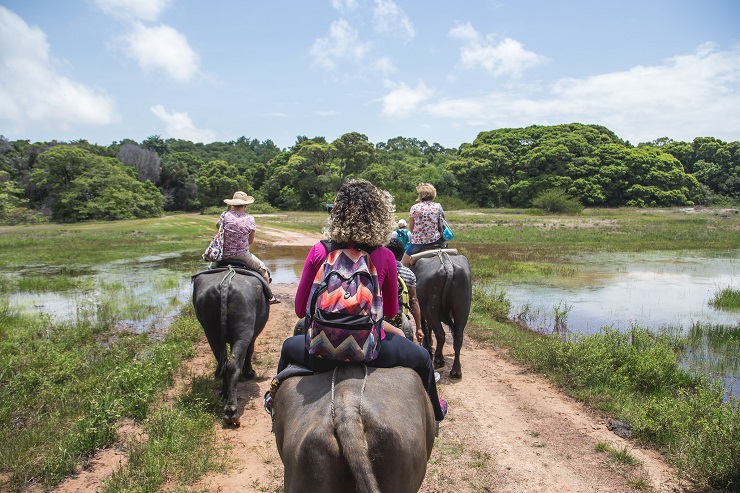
(363, 215)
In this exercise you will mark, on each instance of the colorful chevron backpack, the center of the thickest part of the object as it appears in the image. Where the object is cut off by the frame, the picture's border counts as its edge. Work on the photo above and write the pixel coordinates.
(345, 308)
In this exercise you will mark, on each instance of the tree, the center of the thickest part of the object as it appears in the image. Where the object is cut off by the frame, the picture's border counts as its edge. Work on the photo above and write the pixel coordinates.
(155, 143)
(82, 186)
(177, 181)
(11, 197)
(354, 153)
(216, 181)
(485, 172)
(146, 163)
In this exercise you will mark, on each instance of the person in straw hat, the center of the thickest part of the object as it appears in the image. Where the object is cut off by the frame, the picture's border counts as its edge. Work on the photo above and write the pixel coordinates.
(239, 228)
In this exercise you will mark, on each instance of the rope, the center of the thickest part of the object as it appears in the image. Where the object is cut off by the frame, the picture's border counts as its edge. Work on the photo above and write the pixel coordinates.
(362, 392)
(224, 294)
(333, 378)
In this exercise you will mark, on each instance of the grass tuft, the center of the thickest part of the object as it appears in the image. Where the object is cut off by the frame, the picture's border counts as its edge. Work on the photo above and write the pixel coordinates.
(727, 298)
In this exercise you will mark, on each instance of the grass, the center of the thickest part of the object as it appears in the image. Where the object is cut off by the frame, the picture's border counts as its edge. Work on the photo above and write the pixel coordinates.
(618, 455)
(727, 298)
(66, 387)
(64, 393)
(180, 445)
(636, 377)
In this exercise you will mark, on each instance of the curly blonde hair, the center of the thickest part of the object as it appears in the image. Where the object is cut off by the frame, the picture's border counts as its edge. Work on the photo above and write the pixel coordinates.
(426, 191)
(362, 213)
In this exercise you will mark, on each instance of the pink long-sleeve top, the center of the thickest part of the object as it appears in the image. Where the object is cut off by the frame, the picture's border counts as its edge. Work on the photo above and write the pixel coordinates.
(385, 264)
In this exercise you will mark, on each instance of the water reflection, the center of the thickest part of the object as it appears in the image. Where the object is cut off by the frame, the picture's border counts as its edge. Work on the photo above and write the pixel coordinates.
(652, 290)
(620, 290)
(145, 292)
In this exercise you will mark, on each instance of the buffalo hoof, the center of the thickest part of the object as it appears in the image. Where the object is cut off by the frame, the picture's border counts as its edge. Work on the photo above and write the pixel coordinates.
(456, 374)
(249, 374)
(439, 363)
(231, 416)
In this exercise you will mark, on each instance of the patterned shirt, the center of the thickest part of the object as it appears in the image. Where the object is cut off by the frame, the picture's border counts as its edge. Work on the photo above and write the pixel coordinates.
(237, 227)
(426, 222)
(406, 274)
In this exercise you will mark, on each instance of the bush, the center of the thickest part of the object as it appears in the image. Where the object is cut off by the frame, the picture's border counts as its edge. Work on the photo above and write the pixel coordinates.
(557, 201)
(495, 304)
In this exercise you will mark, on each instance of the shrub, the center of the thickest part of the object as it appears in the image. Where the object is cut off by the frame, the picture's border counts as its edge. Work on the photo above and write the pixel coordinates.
(557, 201)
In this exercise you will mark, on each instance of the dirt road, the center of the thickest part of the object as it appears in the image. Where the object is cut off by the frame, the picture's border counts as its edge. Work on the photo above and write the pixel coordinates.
(508, 430)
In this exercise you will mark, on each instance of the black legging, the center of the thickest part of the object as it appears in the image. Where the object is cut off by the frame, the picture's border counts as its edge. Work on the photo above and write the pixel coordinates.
(395, 350)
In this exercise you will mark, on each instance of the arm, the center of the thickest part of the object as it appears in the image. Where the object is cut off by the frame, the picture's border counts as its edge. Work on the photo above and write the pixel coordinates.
(314, 259)
(391, 329)
(416, 311)
(251, 237)
(389, 286)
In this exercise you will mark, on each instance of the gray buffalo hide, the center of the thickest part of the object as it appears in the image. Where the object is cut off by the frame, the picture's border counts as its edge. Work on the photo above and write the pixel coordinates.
(445, 291)
(233, 310)
(376, 440)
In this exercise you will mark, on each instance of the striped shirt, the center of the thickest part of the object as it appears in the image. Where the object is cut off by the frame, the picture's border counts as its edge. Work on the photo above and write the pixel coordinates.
(407, 275)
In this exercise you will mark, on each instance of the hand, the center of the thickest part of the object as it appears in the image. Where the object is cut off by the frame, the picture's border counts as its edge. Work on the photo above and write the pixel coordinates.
(419, 335)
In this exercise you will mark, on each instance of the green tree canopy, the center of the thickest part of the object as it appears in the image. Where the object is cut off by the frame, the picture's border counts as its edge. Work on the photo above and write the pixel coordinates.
(82, 186)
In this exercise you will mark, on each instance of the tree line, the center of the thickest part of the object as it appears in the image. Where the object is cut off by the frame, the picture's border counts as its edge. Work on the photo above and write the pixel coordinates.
(508, 167)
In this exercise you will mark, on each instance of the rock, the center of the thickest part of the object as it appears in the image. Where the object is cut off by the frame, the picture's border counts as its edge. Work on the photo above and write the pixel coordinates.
(619, 428)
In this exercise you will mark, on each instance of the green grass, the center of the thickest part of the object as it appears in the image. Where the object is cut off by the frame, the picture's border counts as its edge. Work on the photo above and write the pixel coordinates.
(64, 388)
(726, 298)
(635, 377)
(180, 445)
(64, 392)
(619, 455)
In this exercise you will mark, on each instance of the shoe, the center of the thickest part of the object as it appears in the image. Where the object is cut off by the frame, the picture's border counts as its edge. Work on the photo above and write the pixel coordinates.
(274, 301)
(268, 402)
(443, 405)
(436, 376)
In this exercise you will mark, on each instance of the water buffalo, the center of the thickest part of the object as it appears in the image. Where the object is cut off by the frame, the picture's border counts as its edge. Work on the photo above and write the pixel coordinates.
(445, 290)
(347, 431)
(232, 308)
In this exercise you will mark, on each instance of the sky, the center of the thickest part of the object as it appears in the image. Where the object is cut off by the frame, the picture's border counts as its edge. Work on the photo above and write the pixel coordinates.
(434, 70)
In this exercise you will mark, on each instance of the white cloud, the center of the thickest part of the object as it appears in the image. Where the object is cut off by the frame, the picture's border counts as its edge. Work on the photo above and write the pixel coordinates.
(509, 57)
(384, 66)
(32, 92)
(683, 98)
(180, 126)
(147, 10)
(342, 43)
(389, 17)
(162, 48)
(325, 113)
(345, 5)
(403, 100)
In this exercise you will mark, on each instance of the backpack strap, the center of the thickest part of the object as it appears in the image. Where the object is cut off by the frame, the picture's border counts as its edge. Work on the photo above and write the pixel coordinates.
(332, 245)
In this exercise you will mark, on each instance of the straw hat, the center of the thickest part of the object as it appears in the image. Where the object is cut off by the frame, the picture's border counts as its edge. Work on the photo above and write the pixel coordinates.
(240, 198)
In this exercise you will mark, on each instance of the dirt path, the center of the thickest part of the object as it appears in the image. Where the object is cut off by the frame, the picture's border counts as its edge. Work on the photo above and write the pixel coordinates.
(508, 430)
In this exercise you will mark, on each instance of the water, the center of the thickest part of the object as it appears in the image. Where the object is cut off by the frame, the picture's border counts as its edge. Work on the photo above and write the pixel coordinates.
(147, 292)
(652, 290)
(663, 290)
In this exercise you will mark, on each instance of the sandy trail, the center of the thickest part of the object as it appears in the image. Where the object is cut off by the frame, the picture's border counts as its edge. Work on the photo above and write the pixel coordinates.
(508, 429)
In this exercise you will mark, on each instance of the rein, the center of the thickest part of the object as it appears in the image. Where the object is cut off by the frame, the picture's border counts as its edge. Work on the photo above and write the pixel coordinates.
(362, 392)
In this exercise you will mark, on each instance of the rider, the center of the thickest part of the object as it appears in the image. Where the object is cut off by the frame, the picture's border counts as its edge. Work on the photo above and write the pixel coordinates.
(402, 233)
(363, 214)
(239, 228)
(408, 276)
(424, 222)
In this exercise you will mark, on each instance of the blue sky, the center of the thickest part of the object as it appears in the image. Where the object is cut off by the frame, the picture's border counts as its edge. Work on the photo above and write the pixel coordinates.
(440, 71)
